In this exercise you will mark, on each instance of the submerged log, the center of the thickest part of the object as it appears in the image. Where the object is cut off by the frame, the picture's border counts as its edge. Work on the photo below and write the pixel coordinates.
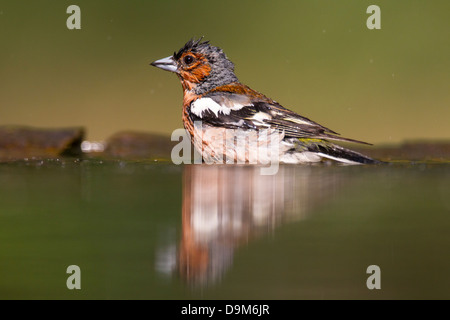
(18, 142)
(143, 145)
(139, 145)
(410, 151)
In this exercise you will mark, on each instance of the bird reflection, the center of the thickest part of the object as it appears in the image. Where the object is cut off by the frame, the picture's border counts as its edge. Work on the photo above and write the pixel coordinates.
(225, 206)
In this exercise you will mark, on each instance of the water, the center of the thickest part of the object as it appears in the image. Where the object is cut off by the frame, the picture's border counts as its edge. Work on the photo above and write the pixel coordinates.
(152, 230)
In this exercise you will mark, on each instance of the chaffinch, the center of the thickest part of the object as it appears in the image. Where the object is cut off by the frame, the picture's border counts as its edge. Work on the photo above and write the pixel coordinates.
(230, 122)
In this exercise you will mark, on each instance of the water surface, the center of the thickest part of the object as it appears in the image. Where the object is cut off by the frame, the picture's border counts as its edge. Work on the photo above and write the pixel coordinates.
(152, 230)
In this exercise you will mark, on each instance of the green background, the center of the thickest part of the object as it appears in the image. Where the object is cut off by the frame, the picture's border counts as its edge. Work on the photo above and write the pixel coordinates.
(317, 58)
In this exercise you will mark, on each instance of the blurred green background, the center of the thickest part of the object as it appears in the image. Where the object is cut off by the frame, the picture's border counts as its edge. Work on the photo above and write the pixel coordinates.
(317, 58)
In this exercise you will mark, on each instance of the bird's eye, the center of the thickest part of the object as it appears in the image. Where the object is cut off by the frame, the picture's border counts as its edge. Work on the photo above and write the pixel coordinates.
(188, 60)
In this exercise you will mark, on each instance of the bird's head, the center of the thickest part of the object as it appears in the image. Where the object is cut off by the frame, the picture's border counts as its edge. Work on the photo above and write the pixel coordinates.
(200, 66)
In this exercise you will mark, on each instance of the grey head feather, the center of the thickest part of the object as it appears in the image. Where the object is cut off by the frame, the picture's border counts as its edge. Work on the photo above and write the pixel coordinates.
(222, 69)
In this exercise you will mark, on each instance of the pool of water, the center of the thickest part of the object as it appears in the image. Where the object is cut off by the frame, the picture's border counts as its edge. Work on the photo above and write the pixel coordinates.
(154, 230)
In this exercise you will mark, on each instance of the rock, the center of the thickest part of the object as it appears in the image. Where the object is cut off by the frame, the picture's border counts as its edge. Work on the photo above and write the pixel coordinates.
(139, 145)
(410, 150)
(18, 142)
(142, 145)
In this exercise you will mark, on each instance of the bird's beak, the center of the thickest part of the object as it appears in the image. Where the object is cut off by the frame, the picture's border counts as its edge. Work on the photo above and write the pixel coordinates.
(168, 64)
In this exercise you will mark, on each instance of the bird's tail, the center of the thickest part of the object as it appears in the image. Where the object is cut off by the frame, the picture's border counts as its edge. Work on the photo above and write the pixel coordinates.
(340, 154)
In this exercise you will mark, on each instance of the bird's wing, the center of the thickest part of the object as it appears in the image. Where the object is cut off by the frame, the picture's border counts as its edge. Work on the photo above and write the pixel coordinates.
(297, 126)
(238, 110)
(228, 110)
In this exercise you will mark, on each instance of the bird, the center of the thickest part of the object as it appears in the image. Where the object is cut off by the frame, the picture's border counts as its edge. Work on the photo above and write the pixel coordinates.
(229, 122)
